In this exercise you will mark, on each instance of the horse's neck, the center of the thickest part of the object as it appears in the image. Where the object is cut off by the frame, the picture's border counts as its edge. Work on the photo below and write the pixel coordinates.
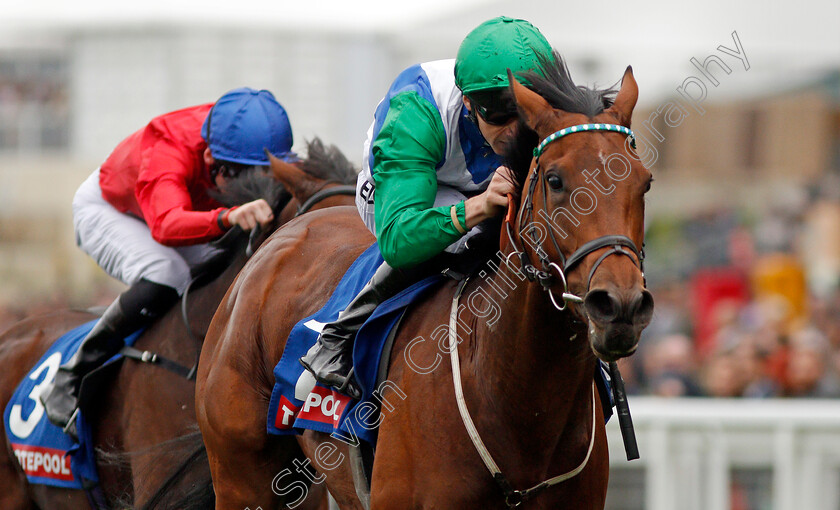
(534, 363)
(203, 302)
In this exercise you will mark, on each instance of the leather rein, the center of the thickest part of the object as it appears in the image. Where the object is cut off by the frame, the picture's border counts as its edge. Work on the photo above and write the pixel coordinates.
(189, 373)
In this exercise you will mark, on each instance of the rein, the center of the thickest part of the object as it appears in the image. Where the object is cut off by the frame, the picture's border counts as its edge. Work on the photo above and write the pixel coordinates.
(321, 194)
(324, 193)
(546, 275)
(189, 373)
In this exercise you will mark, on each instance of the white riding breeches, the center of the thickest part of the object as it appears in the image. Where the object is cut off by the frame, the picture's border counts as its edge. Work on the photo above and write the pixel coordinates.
(365, 203)
(123, 246)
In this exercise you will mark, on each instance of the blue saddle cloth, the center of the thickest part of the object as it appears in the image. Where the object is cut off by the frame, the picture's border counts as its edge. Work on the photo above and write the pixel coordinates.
(298, 402)
(47, 455)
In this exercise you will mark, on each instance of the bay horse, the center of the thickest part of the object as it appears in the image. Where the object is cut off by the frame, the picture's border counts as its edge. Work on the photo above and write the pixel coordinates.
(146, 410)
(517, 407)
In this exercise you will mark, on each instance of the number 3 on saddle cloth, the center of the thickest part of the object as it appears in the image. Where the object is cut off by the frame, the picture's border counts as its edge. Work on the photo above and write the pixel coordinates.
(298, 402)
(47, 455)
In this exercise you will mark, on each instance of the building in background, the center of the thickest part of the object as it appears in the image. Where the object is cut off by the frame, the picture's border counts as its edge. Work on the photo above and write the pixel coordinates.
(732, 185)
(74, 82)
(69, 93)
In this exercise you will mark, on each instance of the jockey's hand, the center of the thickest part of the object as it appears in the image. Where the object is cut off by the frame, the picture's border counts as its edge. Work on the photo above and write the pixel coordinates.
(248, 215)
(494, 201)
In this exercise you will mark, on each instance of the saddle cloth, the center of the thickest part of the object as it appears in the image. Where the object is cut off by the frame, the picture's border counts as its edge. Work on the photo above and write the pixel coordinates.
(297, 402)
(46, 454)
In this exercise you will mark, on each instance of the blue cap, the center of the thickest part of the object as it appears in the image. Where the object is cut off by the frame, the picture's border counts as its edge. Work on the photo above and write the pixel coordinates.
(243, 123)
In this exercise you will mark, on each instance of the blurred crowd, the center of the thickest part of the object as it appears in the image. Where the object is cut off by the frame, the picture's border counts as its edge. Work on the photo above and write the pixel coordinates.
(756, 314)
(34, 106)
(755, 350)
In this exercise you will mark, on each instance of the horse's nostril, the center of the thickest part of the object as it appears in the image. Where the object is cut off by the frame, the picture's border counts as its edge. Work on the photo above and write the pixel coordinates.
(601, 306)
(642, 310)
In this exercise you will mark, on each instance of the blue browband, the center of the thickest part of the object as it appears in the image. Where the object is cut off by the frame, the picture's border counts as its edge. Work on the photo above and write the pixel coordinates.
(584, 127)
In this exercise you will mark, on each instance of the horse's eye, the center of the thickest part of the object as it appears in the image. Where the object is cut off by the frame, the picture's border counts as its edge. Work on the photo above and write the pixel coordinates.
(554, 182)
(648, 186)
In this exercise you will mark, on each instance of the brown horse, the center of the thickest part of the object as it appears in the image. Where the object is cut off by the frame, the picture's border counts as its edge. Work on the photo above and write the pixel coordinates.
(147, 410)
(527, 357)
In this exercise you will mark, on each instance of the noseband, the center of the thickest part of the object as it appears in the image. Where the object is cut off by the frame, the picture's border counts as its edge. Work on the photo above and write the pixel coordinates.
(546, 275)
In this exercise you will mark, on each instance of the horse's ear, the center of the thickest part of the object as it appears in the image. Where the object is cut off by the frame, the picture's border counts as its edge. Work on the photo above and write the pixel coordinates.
(531, 105)
(626, 99)
(290, 175)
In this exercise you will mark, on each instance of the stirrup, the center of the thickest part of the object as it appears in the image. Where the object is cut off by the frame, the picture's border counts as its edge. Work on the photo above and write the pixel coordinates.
(348, 382)
(70, 429)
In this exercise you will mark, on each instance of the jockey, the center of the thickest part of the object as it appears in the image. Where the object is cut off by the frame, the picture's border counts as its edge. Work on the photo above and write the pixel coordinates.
(432, 171)
(146, 218)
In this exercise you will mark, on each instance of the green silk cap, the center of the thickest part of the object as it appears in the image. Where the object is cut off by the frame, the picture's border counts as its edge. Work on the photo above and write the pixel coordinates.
(494, 47)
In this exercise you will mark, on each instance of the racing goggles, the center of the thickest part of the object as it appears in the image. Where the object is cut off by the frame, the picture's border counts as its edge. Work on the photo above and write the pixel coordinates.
(496, 108)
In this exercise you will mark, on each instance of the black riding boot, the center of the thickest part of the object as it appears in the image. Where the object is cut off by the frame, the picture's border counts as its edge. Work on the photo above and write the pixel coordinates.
(133, 309)
(331, 359)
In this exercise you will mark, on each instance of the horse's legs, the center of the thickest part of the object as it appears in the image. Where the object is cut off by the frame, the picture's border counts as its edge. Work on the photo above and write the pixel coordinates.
(330, 457)
(267, 479)
(233, 427)
(249, 468)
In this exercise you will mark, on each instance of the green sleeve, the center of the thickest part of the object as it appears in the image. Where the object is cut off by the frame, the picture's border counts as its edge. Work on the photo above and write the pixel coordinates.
(410, 144)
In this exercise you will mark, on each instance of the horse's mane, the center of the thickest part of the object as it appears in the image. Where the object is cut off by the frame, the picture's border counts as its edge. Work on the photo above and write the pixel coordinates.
(558, 88)
(250, 185)
(328, 163)
(323, 162)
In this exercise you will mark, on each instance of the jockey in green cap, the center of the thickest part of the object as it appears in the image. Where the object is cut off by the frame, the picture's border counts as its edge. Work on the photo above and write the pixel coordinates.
(432, 171)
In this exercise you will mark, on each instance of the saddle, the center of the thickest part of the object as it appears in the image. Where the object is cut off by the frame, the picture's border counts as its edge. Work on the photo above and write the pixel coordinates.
(298, 402)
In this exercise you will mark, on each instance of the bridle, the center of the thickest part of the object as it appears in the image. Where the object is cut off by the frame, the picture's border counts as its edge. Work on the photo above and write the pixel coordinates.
(550, 270)
(322, 194)
(253, 238)
(545, 276)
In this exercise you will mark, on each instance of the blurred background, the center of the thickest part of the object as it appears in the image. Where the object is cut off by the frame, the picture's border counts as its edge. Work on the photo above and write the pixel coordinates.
(743, 222)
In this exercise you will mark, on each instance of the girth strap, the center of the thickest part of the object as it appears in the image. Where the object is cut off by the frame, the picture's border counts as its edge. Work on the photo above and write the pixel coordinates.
(155, 359)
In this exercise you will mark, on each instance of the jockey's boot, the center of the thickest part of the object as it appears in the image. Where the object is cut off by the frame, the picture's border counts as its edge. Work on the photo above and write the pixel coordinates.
(132, 309)
(331, 359)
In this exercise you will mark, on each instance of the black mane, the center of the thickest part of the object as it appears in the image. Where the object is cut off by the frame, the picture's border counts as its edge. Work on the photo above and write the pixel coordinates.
(250, 185)
(328, 163)
(560, 91)
(323, 162)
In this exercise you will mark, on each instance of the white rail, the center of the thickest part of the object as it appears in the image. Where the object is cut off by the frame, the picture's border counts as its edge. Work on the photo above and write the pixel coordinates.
(689, 448)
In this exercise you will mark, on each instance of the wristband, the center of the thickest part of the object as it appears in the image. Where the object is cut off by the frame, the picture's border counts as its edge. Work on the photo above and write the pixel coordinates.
(226, 217)
(453, 211)
(222, 219)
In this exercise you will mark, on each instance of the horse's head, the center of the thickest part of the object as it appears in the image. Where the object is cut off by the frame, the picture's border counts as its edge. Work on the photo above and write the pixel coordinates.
(582, 210)
(322, 178)
(318, 181)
